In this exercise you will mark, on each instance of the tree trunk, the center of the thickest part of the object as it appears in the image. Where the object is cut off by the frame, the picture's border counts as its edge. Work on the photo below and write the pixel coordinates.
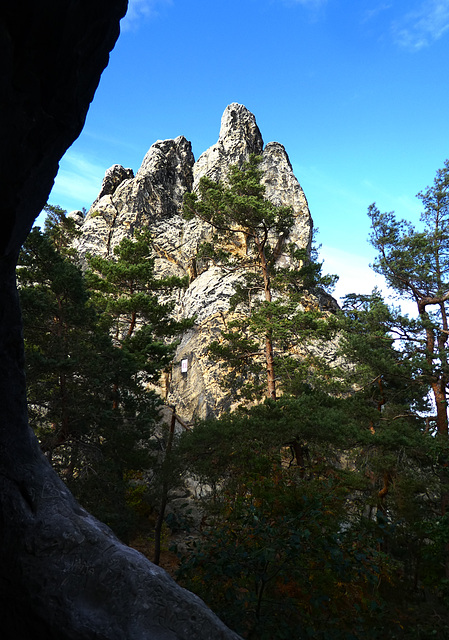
(163, 504)
(439, 394)
(269, 355)
(437, 384)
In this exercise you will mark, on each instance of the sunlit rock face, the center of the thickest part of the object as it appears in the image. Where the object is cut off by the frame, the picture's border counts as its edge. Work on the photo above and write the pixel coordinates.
(153, 198)
(239, 137)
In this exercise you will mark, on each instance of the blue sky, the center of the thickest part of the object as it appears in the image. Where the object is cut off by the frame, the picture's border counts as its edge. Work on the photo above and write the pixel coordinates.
(356, 91)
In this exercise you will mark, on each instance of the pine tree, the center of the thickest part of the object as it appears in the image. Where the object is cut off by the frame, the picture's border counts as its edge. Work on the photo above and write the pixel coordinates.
(129, 294)
(250, 236)
(92, 413)
(416, 265)
(367, 437)
(136, 306)
(61, 230)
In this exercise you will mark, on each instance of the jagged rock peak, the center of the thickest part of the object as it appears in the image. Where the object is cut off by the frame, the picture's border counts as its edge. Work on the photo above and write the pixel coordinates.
(153, 195)
(113, 178)
(153, 199)
(77, 216)
(165, 157)
(238, 123)
(239, 137)
(283, 189)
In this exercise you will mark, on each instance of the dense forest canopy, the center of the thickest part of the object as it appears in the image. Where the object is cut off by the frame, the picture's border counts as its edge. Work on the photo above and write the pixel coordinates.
(328, 487)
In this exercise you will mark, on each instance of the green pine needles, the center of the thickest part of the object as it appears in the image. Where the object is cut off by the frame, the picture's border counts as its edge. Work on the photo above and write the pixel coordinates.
(250, 236)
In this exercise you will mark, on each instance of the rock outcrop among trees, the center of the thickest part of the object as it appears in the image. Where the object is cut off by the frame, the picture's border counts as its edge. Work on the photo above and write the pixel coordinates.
(154, 199)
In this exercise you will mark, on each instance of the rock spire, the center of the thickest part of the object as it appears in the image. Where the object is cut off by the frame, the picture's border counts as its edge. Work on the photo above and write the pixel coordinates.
(153, 198)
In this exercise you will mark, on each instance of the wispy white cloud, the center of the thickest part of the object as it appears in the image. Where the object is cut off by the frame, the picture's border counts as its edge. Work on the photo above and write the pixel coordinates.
(141, 10)
(422, 26)
(77, 184)
(78, 181)
(373, 13)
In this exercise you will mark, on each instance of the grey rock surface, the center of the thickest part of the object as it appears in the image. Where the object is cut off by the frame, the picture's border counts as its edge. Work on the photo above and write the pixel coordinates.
(84, 582)
(239, 138)
(283, 189)
(113, 178)
(52, 56)
(153, 198)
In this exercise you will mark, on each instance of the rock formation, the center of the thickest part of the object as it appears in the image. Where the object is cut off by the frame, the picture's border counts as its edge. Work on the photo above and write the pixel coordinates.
(63, 575)
(154, 199)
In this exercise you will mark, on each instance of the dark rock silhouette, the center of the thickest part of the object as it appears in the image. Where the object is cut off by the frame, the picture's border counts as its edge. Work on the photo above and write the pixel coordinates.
(63, 575)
